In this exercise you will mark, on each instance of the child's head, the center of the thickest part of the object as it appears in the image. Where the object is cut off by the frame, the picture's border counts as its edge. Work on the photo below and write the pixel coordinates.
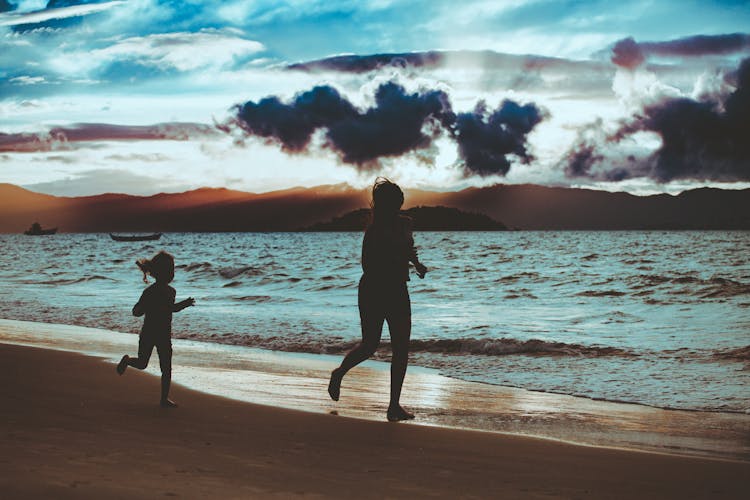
(387, 198)
(160, 266)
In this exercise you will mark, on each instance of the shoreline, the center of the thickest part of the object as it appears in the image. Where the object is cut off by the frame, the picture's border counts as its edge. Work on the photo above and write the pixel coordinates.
(299, 381)
(77, 430)
(384, 364)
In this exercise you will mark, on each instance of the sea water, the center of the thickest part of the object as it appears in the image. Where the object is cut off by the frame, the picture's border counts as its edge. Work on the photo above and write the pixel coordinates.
(651, 317)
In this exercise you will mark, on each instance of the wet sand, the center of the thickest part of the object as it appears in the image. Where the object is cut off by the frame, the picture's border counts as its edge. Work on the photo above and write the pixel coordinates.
(73, 428)
(298, 381)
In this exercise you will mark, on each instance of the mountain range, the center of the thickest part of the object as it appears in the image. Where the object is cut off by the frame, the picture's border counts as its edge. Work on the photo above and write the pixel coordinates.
(523, 206)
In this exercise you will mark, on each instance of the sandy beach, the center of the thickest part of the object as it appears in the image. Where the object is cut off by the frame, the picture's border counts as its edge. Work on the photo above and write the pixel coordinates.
(73, 429)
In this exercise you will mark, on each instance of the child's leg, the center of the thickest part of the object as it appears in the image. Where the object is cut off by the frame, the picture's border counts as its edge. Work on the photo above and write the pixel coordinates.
(164, 349)
(145, 347)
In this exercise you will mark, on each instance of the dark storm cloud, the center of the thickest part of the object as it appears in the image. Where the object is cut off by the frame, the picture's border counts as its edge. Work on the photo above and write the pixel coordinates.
(293, 124)
(701, 140)
(398, 123)
(628, 53)
(62, 137)
(486, 138)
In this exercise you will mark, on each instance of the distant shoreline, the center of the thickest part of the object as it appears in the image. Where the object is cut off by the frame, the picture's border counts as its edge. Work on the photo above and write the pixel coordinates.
(522, 206)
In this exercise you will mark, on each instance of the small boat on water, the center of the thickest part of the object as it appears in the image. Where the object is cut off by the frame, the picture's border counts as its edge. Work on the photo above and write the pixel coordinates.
(36, 230)
(135, 237)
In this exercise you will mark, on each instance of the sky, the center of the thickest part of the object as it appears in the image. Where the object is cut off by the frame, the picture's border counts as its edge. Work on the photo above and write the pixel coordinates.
(148, 96)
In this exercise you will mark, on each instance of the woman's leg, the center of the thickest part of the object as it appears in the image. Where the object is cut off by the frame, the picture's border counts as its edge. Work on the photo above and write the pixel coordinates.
(399, 326)
(371, 319)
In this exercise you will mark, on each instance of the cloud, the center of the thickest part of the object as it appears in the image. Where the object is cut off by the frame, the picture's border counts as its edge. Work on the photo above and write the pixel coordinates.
(26, 80)
(351, 63)
(484, 70)
(182, 51)
(486, 60)
(51, 14)
(398, 123)
(487, 139)
(700, 140)
(627, 53)
(61, 138)
(93, 182)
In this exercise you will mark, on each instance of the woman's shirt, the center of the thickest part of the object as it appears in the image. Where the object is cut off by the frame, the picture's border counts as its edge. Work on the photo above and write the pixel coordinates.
(387, 250)
(157, 304)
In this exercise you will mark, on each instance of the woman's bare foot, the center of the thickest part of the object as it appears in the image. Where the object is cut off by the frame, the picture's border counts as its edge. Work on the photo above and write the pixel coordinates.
(334, 386)
(397, 413)
(122, 365)
(168, 403)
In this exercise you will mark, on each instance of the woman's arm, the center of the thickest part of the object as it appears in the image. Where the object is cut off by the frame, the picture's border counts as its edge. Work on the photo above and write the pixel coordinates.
(413, 254)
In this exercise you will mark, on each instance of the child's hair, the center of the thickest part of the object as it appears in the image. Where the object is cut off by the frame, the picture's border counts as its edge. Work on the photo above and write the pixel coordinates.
(160, 266)
(387, 199)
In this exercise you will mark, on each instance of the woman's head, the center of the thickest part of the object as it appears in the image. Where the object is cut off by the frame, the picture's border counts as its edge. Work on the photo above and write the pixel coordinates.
(387, 198)
(160, 266)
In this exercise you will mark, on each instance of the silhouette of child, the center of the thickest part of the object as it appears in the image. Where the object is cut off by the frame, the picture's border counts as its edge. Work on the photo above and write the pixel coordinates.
(157, 304)
(387, 249)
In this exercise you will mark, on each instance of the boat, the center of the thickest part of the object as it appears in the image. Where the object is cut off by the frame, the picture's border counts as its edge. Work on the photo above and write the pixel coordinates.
(36, 230)
(135, 237)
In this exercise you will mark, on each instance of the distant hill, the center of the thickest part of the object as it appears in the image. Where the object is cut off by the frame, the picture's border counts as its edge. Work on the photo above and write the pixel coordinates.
(517, 206)
(423, 219)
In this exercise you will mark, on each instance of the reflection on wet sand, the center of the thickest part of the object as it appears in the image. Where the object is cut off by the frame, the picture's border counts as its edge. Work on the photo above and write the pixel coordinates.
(299, 381)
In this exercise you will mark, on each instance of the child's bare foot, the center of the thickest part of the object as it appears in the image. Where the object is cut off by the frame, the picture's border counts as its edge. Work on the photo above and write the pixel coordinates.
(168, 403)
(397, 413)
(122, 365)
(334, 386)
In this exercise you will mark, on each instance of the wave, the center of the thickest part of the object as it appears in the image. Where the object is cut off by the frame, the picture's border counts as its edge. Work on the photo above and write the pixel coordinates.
(738, 354)
(85, 279)
(475, 346)
(233, 272)
(253, 298)
(601, 293)
(200, 266)
(714, 287)
(506, 346)
(512, 278)
(723, 288)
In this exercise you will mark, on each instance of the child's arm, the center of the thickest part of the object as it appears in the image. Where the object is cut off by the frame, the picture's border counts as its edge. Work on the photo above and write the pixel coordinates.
(179, 306)
(139, 309)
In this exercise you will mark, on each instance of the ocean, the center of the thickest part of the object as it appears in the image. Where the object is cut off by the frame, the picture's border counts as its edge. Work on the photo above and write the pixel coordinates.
(657, 318)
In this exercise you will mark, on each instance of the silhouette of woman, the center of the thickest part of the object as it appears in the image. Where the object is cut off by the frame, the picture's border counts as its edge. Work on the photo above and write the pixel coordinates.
(157, 304)
(387, 249)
